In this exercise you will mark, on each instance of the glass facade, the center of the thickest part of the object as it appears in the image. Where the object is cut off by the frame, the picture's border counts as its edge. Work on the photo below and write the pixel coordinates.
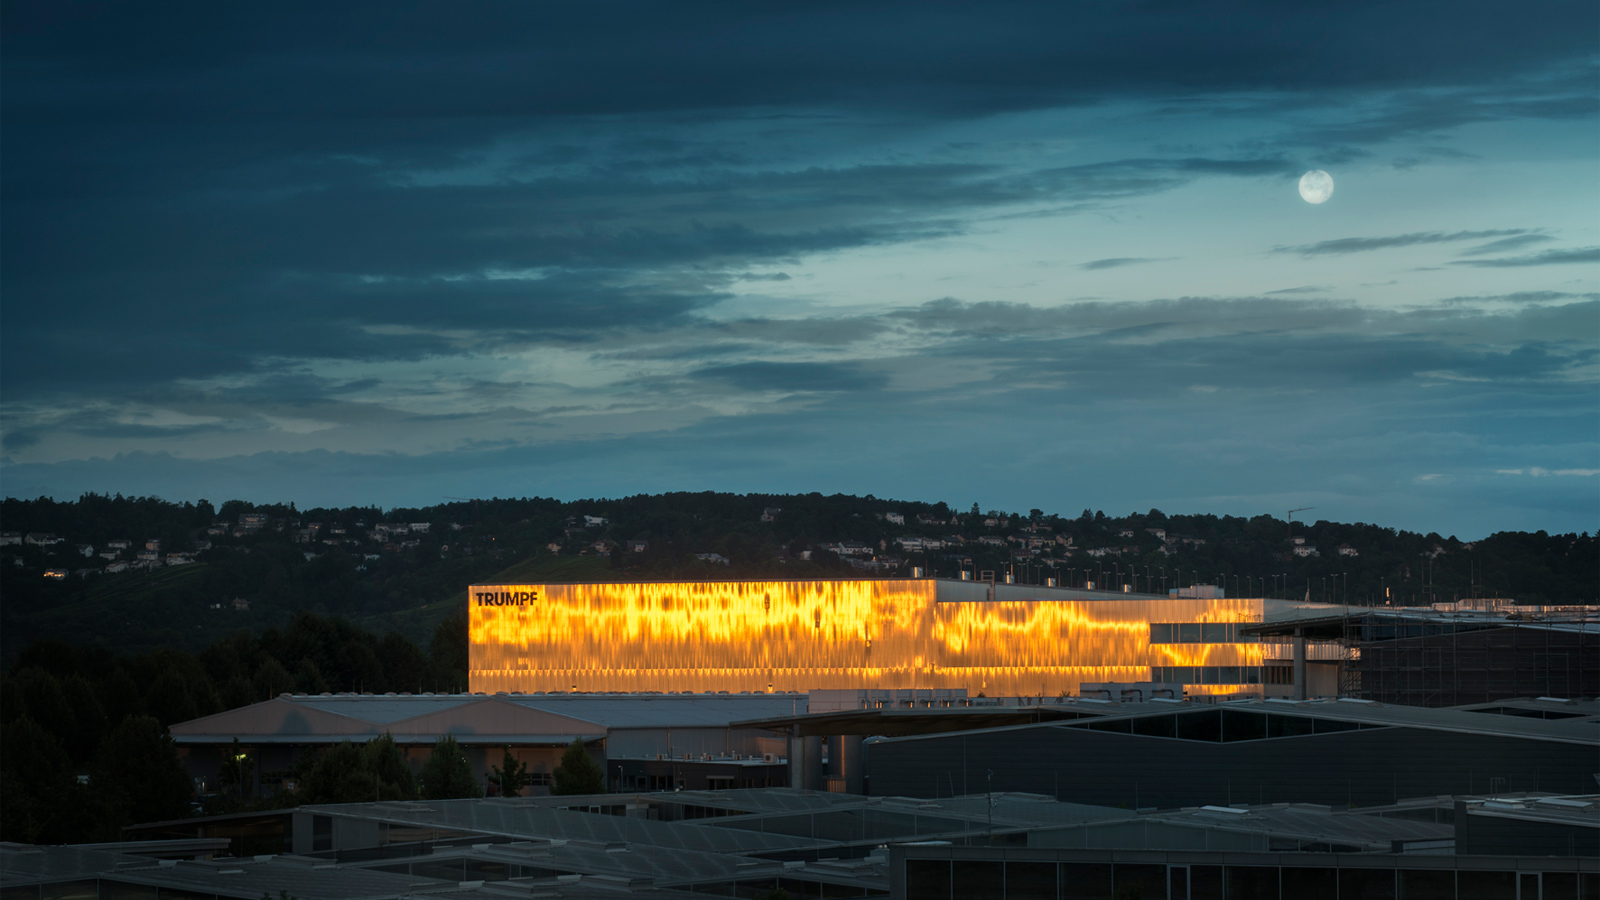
(1206, 674)
(1200, 633)
(945, 879)
(1002, 640)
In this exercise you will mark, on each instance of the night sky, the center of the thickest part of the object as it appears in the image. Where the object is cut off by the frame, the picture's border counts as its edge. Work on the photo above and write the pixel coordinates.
(1025, 255)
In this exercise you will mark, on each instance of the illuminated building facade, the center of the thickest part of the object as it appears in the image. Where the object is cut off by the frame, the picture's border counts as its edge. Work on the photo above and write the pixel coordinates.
(1003, 640)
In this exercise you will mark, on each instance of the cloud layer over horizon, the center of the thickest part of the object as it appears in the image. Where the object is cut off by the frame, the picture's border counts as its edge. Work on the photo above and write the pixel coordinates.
(1031, 257)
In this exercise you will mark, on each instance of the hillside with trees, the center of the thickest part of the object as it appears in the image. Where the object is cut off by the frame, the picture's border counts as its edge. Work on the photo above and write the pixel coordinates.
(122, 616)
(191, 574)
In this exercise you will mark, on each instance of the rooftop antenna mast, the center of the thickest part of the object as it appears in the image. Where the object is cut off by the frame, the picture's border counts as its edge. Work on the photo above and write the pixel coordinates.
(1290, 517)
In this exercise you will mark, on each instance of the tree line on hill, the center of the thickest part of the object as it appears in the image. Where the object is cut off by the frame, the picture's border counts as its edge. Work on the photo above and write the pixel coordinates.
(347, 567)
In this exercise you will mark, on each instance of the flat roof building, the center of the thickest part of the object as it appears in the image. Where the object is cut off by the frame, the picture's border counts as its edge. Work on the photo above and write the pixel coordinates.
(1164, 754)
(694, 730)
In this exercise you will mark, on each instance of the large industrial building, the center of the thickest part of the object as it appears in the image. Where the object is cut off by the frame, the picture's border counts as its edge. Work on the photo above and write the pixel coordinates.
(995, 639)
(1450, 657)
(646, 740)
(1340, 753)
(809, 846)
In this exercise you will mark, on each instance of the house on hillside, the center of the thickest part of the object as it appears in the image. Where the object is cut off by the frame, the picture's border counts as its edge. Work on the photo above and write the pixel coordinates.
(41, 539)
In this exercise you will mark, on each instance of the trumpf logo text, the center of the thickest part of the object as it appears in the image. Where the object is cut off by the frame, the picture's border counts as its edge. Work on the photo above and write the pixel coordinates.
(505, 598)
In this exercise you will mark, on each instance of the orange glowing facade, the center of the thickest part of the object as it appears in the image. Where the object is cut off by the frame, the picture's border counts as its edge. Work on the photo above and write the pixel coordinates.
(829, 635)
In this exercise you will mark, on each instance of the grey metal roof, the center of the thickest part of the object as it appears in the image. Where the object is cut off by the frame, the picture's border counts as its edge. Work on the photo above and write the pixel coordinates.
(627, 863)
(315, 879)
(382, 710)
(242, 878)
(664, 710)
(27, 864)
(517, 819)
(1575, 730)
(872, 820)
(1309, 822)
(321, 718)
(1582, 810)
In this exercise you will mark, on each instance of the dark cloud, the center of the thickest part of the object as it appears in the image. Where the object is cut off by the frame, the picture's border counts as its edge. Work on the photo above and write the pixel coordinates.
(1547, 258)
(1505, 244)
(308, 62)
(1364, 244)
(804, 377)
(206, 203)
(1075, 423)
(1117, 262)
(212, 284)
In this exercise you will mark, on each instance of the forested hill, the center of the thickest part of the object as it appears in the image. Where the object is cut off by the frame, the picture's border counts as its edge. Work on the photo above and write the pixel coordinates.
(134, 574)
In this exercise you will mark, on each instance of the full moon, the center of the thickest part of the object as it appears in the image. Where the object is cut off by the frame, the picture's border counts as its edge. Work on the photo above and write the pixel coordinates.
(1316, 186)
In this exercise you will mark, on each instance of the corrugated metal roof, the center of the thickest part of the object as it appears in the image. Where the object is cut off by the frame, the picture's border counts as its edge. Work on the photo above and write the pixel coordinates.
(1313, 823)
(242, 878)
(513, 818)
(664, 710)
(322, 879)
(321, 718)
(381, 710)
(1575, 730)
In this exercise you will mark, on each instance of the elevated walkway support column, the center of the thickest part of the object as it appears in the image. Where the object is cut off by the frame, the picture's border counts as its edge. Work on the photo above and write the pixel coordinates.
(805, 763)
(845, 758)
(1299, 664)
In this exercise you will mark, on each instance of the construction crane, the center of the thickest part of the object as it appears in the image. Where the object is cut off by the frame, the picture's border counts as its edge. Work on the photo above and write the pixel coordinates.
(1290, 517)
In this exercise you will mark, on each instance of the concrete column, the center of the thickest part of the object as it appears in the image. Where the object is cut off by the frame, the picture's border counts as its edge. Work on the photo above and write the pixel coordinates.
(797, 761)
(1299, 664)
(846, 761)
(805, 763)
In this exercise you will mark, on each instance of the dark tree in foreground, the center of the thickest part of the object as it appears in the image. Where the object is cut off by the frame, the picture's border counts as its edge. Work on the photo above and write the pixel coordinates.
(511, 776)
(359, 773)
(578, 772)
(37, 790)
(447, 775)
(138, 776)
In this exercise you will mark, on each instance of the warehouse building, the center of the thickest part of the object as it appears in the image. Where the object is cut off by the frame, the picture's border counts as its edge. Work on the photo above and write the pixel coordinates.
(1428, 657)
(808, 844)
(689, 736)
(1168, 754)
(1016, 873)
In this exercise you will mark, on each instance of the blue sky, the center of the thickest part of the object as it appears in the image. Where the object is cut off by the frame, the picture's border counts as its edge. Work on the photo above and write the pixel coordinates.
(1010, 254)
